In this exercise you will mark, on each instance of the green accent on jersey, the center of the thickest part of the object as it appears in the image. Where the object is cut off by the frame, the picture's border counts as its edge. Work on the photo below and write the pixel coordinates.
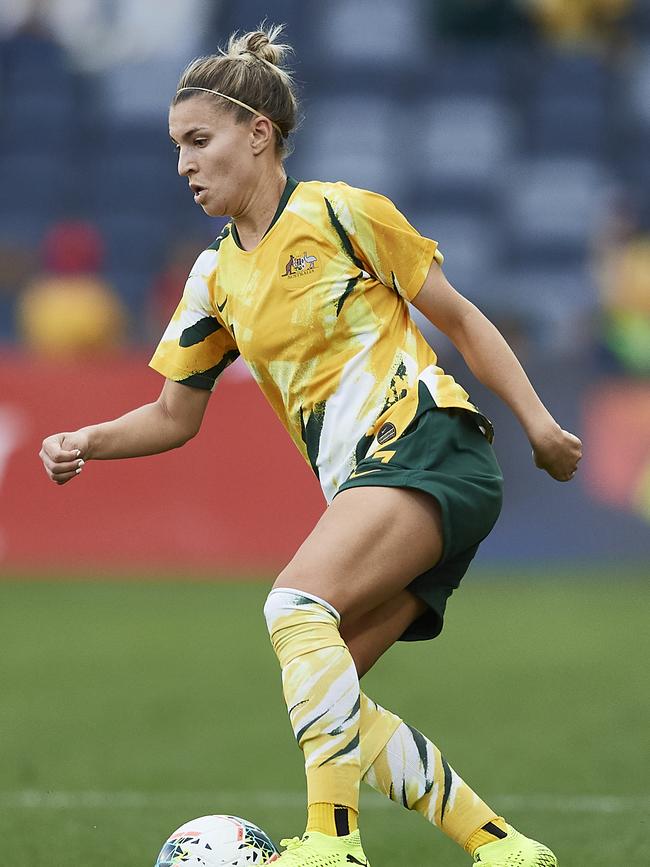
(199, 331)
(208, 378)
(343, 235)
(352, 282)
(395, 392)
(311, 433)
(221, 237)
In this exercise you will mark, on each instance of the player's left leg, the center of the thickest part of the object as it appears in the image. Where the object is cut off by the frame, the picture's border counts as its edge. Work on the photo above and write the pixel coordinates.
(399, 761)
(403, 764)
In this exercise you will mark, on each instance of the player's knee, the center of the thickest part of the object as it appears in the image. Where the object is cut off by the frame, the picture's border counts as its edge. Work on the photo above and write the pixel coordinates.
(285, 602)
(300, 623)
(281, 607)
(273, 609)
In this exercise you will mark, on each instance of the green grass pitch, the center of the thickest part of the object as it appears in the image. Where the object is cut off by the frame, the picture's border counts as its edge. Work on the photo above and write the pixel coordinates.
(129, 707)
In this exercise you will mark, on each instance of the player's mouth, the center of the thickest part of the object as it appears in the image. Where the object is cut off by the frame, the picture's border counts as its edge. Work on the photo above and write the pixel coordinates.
(199, 192)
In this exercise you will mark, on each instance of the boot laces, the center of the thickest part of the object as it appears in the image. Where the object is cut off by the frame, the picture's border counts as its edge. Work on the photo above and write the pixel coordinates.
(291, 843)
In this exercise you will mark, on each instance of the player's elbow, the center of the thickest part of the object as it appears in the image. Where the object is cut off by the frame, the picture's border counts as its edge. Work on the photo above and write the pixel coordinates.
(455, 322)
(458, 325)
(179, 429)
(182, 436)
(186, 428)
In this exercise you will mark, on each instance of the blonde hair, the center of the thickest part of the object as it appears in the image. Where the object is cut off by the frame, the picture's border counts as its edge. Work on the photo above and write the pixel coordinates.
(249, 71)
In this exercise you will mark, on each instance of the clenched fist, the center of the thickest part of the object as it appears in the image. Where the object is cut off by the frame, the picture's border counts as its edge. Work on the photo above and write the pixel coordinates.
(63, 455)
(557, 451)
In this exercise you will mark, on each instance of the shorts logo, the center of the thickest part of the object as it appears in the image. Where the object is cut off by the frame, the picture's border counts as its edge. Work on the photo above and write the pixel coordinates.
(386, 432)
(298, 265)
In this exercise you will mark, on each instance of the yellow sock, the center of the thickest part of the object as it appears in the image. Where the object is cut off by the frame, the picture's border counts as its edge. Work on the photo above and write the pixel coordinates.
(495, 829)
(332, 819)
(411, 771)
(321, 689)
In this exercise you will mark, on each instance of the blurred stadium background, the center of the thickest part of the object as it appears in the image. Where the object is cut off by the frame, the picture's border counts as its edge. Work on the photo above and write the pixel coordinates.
(516, 133)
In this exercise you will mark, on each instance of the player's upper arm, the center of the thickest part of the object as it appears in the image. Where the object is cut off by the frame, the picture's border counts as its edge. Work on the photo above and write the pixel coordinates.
(184, 405)
(443, 306)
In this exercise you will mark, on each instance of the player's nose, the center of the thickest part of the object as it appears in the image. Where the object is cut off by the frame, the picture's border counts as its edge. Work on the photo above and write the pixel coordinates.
(185, 164)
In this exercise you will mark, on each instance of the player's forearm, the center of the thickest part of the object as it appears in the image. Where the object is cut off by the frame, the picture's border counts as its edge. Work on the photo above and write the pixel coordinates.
(147, 430)
(494, 364)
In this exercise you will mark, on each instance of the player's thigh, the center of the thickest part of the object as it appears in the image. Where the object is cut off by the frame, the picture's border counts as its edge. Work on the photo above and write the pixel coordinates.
(369, 636)
(368, 546)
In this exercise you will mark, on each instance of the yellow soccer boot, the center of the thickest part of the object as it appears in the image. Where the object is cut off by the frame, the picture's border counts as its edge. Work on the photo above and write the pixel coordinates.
(320, 850)
(515, 850)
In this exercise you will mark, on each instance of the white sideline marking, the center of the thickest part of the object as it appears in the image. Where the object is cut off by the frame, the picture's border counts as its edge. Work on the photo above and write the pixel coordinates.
(61, 800)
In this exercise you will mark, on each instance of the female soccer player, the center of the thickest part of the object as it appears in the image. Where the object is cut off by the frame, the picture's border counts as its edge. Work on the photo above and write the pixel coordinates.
(310, 283)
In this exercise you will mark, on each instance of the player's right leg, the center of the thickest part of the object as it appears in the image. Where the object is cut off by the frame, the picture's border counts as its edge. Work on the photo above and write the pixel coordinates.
(346, 566)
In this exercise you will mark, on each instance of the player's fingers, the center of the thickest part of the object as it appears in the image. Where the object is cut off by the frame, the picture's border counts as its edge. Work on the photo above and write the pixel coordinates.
(61, 456)
(68, 467)
(61, 479)
(52, 453)
(63, 472)
(66, 457)
(52, 463)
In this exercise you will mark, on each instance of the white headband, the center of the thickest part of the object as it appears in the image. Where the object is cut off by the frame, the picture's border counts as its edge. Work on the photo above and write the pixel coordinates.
(236, 101)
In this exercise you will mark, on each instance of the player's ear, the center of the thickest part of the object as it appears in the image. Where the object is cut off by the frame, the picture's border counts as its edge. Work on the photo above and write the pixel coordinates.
(261, 135)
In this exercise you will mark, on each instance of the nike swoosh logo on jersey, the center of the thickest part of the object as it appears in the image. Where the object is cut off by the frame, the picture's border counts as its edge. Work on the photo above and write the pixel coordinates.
(364, 473)
(221, 306)
(352, 860)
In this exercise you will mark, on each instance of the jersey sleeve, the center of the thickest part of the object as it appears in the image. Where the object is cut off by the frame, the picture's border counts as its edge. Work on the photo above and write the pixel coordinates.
(381, 240)
(196, 347)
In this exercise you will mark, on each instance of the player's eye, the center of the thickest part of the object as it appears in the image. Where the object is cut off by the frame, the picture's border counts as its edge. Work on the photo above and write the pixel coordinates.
(200, 142)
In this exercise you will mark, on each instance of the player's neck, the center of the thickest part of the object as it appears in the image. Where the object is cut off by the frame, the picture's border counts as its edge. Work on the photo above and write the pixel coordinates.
(256, 216)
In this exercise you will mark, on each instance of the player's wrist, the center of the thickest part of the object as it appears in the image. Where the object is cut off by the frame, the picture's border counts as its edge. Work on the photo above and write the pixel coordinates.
(543, 430)
(87, 442)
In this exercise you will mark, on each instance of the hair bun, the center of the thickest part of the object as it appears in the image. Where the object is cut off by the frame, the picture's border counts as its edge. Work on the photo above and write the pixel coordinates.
(260, 43)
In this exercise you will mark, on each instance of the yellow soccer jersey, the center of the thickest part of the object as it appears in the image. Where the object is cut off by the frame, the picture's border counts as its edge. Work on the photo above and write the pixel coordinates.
(319, 313)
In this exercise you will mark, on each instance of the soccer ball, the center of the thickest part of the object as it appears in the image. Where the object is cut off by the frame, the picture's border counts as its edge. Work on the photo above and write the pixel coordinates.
(217, 841)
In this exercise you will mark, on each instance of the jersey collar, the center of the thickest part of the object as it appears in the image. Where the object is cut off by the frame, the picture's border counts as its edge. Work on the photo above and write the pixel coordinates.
(289, 187)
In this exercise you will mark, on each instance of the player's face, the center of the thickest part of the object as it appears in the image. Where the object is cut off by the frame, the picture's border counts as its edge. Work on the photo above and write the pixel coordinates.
(214, 154)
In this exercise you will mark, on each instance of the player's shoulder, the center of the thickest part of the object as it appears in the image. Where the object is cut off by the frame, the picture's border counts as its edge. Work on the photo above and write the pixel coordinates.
(338, 201)
(338, 190)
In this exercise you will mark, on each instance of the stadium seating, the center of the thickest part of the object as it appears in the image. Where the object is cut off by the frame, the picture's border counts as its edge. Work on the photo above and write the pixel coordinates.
(552, 204)
(369, 158)
(503, 152)
(472, 248)
(640, 84)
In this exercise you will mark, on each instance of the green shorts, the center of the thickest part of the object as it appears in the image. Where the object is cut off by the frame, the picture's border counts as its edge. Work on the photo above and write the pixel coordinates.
(444, 453)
